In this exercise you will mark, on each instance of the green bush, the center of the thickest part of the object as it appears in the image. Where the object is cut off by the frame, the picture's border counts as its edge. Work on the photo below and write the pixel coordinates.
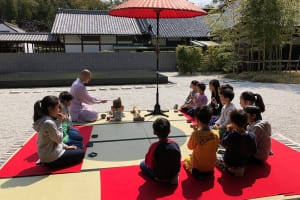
(219, 58)
(188, 59)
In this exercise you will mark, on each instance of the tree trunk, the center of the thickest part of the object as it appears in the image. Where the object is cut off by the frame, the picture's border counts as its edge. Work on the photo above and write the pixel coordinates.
(290, 52)
(251, 51)
(264, 56)
(280, 57)
(258, 59)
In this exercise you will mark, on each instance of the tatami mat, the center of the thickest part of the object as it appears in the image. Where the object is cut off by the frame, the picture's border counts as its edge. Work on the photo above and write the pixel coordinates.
(182, 142)
(178, 128)
(128, 118)
(115, 154)
(75, 186)
(119, 131)
(127, 143)
(117, 144)
(280, 197)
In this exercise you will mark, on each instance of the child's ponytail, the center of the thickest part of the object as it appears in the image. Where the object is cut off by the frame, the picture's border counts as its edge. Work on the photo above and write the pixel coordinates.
(259, 102)
(41, 107)
(38, 112)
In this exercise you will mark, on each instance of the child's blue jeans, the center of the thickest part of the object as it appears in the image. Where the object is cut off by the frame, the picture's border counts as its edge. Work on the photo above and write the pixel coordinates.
(74, 138)
(146, 170)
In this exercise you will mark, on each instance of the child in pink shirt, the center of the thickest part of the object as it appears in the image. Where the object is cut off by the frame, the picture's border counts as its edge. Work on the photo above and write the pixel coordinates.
(200, 99)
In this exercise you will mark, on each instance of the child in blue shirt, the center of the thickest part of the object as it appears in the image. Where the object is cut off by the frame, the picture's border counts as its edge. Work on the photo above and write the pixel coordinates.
(240, 144)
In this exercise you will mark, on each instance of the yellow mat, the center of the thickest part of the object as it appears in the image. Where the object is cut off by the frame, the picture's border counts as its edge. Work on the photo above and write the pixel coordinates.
(75, 186)
(128, 118)
(127, 144)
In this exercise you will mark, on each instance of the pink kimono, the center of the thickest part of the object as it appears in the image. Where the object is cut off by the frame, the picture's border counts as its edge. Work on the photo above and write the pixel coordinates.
(79, 112)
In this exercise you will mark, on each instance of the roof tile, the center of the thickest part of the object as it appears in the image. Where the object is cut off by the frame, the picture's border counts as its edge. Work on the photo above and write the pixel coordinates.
(91, 22)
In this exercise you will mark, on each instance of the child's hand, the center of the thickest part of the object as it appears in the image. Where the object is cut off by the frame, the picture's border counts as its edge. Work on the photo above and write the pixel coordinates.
(214, 101)
(61, 117)
(71, 147)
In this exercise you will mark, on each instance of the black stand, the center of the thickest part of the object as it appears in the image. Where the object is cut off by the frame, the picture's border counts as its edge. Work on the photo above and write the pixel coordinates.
(157, 110)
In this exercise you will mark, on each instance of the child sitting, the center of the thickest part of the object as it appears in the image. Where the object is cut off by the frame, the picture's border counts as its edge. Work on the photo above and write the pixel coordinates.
(51, 150)
(262, 132)
(226, 96)
(204, 143)
(239, 144)
(71, 135)
(215, 103)
(200, 99)
(249, 98)
(117, 109)
(162, 161)
(189, 100)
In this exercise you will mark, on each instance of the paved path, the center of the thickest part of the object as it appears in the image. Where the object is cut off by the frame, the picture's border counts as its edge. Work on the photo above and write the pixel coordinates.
(282, 104)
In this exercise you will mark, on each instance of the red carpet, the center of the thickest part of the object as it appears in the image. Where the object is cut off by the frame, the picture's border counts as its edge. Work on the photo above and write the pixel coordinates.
(279, 176)
(23, 162)
(188, 117)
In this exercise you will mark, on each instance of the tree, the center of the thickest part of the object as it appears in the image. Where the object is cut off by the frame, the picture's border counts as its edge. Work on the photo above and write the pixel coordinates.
(24, 11)
(88, 4)
(2, 8)
(289, 21)
(10, 11)
(224, 31)
(188, 59)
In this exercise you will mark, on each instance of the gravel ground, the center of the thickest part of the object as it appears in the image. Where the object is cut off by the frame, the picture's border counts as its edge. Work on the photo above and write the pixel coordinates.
(282, 104)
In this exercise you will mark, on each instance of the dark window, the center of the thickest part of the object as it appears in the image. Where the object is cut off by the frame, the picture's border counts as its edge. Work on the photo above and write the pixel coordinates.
(91, 38)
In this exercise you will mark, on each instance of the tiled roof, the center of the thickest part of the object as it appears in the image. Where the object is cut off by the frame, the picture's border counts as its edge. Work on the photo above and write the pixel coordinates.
(13, 27)
(28, 37)
(178, 27)
(93, 22)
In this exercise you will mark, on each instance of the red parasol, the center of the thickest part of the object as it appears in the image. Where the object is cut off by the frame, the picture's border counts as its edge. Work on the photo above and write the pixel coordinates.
(157, 9)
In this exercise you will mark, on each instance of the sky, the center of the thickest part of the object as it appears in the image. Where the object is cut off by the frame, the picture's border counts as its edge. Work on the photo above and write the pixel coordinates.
(201, 2)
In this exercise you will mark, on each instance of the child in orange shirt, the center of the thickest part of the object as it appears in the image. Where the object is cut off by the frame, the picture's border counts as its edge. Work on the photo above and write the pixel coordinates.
(204, 143)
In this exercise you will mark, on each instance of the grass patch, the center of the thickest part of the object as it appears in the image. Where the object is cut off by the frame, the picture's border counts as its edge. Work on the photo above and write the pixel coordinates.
(267, 77)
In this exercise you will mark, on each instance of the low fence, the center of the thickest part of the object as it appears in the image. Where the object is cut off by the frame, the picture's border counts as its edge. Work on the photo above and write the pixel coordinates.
(74, 62)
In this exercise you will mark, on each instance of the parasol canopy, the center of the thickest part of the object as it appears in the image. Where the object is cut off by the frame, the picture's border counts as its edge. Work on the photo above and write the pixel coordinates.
(150, 8)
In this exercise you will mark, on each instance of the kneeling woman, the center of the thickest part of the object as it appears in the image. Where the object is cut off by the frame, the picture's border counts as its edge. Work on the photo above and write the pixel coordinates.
(47, 122)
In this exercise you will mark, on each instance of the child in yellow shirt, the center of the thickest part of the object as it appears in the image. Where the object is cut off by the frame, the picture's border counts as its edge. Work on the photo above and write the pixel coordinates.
(204, 143)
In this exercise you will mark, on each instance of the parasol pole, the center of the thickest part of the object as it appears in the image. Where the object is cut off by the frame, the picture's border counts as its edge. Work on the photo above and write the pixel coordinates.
(157, 110)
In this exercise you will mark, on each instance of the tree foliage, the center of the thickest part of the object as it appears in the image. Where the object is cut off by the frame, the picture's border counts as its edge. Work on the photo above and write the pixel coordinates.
(188, 59)
(38, 15)
(256, 32)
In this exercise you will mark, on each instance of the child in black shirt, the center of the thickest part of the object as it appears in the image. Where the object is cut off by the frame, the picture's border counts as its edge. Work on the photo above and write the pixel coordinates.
(162, 161)
(240, 144)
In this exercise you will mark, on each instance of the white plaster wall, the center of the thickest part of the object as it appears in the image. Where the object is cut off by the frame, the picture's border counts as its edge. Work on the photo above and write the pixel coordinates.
(91, 48)
(108, 39)
(125, 42)
(73, 48)
(72, 39)
(106, 47)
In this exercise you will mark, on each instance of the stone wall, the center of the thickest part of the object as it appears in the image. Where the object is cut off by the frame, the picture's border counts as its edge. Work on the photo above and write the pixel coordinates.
(74, 62)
